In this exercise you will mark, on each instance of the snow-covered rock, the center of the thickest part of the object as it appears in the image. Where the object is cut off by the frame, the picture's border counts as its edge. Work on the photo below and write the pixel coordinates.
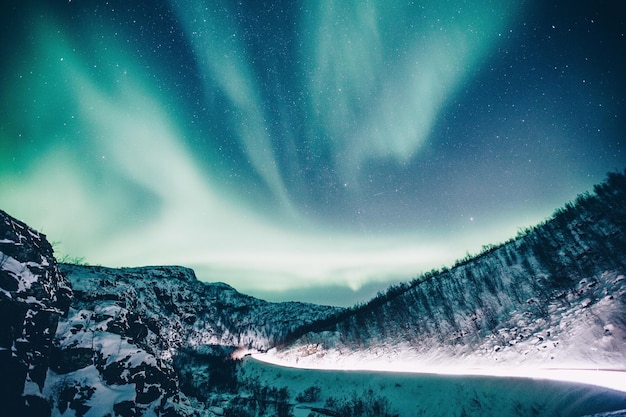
(33, 295)
(167, 308)
(101, 367)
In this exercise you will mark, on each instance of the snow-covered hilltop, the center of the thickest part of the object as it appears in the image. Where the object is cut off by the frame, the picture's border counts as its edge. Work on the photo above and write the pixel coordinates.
(553, 297)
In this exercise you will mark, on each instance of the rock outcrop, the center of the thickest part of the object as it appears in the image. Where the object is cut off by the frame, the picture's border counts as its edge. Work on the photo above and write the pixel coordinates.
(33, 296)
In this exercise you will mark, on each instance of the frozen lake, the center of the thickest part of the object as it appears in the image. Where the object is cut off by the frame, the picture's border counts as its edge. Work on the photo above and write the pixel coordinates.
(411, 394)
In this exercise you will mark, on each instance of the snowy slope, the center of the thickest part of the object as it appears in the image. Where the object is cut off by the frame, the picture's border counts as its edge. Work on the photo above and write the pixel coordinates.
(555, 297)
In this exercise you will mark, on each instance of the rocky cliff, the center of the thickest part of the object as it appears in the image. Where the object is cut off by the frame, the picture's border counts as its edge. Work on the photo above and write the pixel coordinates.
(33, 296)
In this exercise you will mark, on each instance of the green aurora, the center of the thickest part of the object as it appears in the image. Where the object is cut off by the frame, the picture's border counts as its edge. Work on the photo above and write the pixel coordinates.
(294, 147)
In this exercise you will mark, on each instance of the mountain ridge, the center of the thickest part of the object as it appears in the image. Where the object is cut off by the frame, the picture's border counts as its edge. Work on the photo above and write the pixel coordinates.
(519, 302)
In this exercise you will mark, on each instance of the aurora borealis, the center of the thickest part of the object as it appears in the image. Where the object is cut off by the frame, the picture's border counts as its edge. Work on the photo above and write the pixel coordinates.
(304, 149)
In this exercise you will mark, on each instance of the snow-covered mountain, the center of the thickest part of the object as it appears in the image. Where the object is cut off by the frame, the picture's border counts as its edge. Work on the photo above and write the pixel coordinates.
(96, 341)
(171, 309)
(131, 331)
(553, 297)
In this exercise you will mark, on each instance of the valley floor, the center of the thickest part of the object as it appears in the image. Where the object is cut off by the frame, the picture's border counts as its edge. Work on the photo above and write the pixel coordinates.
(475, 393)
(614, 379)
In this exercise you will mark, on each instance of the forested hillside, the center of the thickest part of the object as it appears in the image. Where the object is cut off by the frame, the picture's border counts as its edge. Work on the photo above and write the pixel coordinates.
(555, 295)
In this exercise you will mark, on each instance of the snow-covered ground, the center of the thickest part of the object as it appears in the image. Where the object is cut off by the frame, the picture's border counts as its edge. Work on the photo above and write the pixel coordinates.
(613, 379)
(574, 342)
(415, 394)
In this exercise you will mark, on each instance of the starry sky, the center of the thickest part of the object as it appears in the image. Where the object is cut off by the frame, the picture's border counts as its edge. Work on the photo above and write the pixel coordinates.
(307, 150)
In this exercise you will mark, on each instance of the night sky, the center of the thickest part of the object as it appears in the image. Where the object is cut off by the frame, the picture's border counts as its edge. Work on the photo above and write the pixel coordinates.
(309, 150)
